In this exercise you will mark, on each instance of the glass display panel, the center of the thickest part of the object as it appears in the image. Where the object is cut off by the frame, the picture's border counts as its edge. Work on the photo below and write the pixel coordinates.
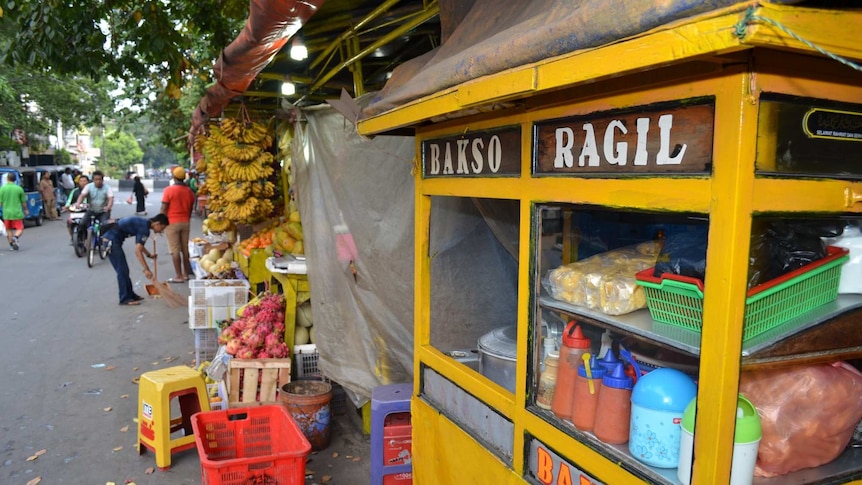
(474, 283)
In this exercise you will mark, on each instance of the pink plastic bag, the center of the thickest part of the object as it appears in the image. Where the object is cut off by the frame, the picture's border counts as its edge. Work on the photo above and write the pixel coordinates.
(808, 414)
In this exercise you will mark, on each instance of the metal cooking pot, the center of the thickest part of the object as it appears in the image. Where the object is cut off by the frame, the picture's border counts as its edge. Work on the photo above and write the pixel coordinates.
(498, 350)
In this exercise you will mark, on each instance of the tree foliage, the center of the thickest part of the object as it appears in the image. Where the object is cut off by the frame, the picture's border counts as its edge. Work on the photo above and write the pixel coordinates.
(159, 53)
(152, 46)
(120, 150)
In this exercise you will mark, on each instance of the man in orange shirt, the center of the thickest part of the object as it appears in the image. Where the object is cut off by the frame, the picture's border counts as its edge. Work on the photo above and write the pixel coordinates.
(178, 200)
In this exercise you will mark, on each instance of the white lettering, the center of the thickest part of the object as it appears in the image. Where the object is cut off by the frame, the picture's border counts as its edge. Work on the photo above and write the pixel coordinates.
(565, 138)
(447, 161)
(462, 156)
(640, 150)
(619, 156)
(477, 164)
(495, 154)
(435, 159)
(590, 152)
(665, 123)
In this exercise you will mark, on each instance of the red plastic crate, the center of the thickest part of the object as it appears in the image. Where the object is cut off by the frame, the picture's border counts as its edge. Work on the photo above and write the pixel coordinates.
(260, 444)
(397, 439)
(405, 478)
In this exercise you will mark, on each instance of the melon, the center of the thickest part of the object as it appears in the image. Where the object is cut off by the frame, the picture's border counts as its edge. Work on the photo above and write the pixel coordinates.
(300, 336)
(303, 315)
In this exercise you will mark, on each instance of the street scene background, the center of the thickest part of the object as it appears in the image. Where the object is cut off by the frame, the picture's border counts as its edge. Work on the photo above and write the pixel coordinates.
(70, 357)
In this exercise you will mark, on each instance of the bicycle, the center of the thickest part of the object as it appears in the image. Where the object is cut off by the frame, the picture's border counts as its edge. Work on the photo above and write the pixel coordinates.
(96, 243)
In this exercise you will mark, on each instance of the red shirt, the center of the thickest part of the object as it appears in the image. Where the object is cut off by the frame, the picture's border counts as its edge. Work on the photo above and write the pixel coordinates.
(180, 200)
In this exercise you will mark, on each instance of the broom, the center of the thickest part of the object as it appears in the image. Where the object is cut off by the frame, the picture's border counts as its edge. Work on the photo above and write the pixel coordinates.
(172, 298)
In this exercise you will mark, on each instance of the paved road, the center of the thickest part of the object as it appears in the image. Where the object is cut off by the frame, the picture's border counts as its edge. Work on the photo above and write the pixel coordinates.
(68, 357)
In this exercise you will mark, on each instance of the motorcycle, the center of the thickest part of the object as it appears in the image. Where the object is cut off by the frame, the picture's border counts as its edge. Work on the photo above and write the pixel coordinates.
(79, 234)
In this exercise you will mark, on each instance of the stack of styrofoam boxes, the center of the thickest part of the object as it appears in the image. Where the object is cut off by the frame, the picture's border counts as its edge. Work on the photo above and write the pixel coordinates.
(211, 302)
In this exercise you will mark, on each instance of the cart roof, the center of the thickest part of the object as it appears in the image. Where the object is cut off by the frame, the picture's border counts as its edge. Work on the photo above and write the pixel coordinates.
(499, 52)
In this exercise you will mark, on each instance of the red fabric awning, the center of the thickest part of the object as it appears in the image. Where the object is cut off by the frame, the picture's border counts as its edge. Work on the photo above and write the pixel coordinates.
(269, 26)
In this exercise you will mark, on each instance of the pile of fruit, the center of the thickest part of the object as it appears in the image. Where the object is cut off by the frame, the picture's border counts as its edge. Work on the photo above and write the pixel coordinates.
(238, 169)
(216, 262)
(258, 332)
(284, 236)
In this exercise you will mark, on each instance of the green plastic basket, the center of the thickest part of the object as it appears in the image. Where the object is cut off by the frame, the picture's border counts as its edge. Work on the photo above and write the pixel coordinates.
(678, 300)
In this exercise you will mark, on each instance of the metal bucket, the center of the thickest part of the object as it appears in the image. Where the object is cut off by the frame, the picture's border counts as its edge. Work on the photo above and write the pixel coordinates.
(308, 403)
(498, 352)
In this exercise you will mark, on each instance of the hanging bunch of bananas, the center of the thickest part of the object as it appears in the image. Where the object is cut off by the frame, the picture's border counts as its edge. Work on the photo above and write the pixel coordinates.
(257, 168)
(263, 190)
(256, 134)
(217, 222)
(238, 164)
(237, 191)
(248, 210)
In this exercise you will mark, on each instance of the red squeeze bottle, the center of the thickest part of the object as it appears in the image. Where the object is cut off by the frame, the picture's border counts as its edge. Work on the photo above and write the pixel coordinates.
(588, 391)
(574, 345)
(615, 407)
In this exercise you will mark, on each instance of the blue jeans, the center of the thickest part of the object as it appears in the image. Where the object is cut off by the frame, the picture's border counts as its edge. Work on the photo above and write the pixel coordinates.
(121, 266)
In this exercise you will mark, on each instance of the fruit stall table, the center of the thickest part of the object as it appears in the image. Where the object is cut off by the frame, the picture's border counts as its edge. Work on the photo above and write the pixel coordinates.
(291, 283)
(254, 267)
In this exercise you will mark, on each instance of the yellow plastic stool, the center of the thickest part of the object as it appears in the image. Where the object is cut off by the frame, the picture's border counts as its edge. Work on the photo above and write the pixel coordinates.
(156, 389)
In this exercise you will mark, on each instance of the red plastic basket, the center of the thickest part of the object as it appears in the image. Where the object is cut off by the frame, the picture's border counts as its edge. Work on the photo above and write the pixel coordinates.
(254, 445)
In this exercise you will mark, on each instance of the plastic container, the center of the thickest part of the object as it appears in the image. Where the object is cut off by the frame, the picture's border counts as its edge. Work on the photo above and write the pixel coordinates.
(260, 444)
(658, 401)
(678, 300)
(586, 395)
(574, 345)
(746, 440)
(548, 380)
(615, 406)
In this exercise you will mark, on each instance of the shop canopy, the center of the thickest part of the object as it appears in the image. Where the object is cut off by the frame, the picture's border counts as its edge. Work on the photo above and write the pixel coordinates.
(493, 36)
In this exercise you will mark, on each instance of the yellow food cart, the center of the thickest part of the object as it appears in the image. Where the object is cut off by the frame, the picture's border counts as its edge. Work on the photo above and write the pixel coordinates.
(688, 122)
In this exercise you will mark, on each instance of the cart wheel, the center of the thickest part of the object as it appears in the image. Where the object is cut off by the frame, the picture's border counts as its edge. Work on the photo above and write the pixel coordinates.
(40, 218)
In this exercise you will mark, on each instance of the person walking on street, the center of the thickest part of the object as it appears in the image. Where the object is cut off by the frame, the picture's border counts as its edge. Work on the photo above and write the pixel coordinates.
(67, 183)
(46, 187)
(13, 203)
(140, 193)
(178, 201)
(138, 228)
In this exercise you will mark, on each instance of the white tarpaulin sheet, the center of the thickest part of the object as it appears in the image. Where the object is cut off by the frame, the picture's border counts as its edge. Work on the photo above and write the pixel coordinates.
(352, 187)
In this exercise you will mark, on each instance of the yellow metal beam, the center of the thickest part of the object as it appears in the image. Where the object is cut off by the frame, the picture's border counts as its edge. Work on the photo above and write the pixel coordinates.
(834, 30)
(352, 31)
(422, 17)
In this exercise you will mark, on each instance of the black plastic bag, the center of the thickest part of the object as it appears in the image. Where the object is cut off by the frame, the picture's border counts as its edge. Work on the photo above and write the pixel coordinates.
(684, 254)
(793, 244)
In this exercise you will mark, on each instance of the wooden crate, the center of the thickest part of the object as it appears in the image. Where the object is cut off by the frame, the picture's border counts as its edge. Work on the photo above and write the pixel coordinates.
(253, 382)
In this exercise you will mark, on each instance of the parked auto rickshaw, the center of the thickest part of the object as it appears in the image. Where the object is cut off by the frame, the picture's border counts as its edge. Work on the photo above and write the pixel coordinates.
(28, 179)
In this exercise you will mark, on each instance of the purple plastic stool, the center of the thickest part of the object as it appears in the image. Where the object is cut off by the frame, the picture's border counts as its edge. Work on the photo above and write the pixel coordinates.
(386, 400)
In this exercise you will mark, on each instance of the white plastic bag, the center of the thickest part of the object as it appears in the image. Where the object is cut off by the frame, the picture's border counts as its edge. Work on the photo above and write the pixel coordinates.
(2, 228)
(851, 272)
